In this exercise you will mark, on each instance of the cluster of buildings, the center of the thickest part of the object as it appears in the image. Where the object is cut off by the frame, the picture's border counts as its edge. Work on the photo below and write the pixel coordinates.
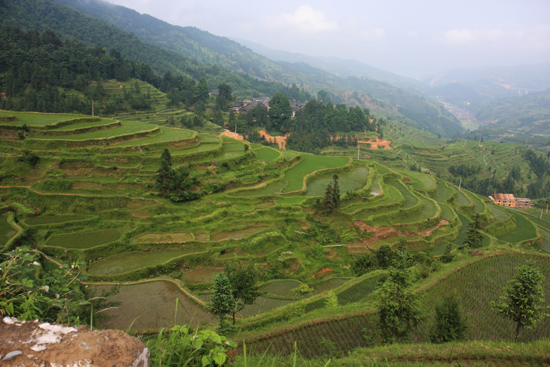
(245, 105)
(511, 201)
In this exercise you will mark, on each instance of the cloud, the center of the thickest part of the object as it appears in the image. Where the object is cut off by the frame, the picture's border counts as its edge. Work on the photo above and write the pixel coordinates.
(309, 20)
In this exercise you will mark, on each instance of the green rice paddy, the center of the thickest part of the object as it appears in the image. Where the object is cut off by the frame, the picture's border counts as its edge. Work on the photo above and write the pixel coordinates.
(85, 240)
(267, 154)
(125, 129)
(135, 260)
(309, 164)
(54, 219)
(166, 135)
(38, 119)
(353, 180)
(525, 230)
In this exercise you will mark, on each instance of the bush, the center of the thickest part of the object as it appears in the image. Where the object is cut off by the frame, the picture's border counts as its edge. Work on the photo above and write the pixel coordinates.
(181, 348)
(449, 324)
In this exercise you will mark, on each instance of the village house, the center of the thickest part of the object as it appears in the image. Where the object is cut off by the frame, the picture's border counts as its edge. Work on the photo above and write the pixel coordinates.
(511, 201)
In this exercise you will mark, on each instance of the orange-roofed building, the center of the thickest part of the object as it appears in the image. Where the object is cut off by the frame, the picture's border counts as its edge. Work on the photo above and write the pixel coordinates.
(504, 199)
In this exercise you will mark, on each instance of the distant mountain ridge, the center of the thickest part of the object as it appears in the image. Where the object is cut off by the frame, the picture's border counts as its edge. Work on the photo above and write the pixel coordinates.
(340, 67)
(250, 74)
(471, 86)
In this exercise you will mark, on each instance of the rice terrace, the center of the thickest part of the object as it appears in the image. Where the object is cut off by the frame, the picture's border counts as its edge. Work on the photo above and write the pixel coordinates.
(181, 196)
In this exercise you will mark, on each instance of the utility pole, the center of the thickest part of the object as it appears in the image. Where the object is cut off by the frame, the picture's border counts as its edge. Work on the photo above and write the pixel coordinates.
(540, 214)
(92, 108)
(547, 208)
(358, 148)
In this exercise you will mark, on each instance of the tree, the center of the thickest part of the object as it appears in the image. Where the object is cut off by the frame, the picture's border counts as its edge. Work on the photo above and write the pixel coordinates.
(222, 301)
(331, 300)
(202, 91)
(328, 201)
(363, 264)
(164, 180)
(474, 238)
(280, 112)
(399, 309)
(384, 256)
(401, 258)
(523, 300)
(335, 192)
(449, 323)
(302, 290)
(244, 286)
(224, 96)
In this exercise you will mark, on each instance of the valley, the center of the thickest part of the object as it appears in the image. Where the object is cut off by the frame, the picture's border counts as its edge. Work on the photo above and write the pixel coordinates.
(180, 187)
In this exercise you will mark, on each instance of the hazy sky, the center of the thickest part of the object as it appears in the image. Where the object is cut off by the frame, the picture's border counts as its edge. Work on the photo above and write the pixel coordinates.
(407, 37)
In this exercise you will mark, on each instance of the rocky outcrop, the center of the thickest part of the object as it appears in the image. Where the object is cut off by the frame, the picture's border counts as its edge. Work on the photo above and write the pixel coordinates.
(34, 343)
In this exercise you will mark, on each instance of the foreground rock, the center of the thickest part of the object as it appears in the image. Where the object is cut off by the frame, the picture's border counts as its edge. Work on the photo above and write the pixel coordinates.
(34, 343)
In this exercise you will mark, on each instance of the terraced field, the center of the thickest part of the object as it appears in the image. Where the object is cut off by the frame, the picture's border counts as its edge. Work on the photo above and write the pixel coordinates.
(353, 180)
(98, 205)
(309, 164)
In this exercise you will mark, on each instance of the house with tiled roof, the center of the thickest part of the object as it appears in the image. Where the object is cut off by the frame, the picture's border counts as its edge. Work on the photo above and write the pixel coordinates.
(511, 201)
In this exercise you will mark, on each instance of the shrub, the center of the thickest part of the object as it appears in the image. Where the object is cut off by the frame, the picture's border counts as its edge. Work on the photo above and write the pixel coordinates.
(449, 323)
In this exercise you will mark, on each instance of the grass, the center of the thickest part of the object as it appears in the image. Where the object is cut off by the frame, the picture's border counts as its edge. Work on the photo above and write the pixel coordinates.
(282, 288)
(267, 154)
(463, 200)
(459, 241)
(151, 305)
(309, 164)
(499, 214)
(54, 219)
(349, 181)
(410, 200)
(359, 291)
(263, 305)
(475, 286)
(166, 135)
(269, 189)
(125, 129)
(444, 193)
(429, 210)
(38, 119)
(84, 124)
(85, 240)
(6, 230)
(135, 260)
(421, 181)
(171, 237)
(201, 275)
(291, 201)
(390, 198)
(525, 230)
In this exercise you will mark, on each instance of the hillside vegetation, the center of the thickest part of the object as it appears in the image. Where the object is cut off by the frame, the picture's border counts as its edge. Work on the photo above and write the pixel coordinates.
(138, 215)
(199, 54)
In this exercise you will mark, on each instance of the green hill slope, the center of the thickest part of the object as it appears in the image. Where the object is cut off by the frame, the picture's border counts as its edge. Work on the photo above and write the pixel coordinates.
(210, 49)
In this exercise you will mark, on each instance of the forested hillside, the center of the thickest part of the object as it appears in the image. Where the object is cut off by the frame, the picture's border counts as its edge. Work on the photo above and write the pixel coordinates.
(380, 97)
(70, 24)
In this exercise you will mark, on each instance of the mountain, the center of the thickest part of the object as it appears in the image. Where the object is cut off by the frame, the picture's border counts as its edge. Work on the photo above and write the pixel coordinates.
(348, 83)
(334, 65)
(265, 78)
(42, 15)
(471, 86)
(527, 114)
